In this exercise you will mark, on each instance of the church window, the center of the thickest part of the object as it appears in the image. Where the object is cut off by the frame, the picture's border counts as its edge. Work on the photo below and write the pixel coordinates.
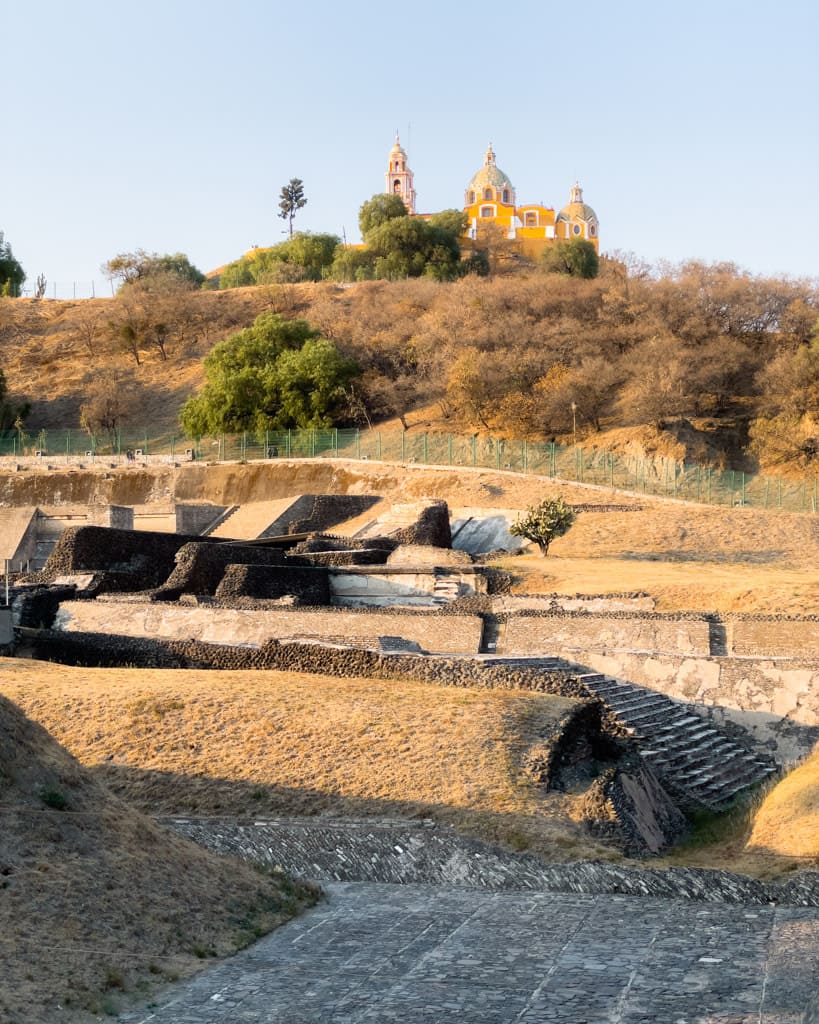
(487, 211)
(592, 230)
(576, 229)
(471, 198)
(531, 220)
(506, 195)
(487, 193)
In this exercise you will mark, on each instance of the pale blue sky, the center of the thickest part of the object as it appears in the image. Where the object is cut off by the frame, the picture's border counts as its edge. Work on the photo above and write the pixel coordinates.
(171, 125)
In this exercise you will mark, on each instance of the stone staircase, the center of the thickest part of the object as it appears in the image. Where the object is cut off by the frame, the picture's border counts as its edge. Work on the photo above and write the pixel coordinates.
(694, 760)
(446, 588)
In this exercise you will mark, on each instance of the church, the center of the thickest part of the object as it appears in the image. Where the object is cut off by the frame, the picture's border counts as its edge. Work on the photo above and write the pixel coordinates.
(490, 199)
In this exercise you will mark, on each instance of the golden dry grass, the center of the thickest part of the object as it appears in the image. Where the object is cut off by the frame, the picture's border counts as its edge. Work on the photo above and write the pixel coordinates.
(232, 743)
(99, 904)
(787, 821)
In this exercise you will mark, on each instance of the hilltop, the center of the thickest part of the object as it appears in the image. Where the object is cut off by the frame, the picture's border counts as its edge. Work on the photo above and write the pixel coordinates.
(704, 363)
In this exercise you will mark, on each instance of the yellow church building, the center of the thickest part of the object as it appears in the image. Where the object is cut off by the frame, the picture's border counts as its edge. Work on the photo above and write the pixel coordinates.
(490, 199)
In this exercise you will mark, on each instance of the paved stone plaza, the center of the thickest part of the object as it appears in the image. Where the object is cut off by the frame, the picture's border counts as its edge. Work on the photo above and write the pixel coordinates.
(421, 954)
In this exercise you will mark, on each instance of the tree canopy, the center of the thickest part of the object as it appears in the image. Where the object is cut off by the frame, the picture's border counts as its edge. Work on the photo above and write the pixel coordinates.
(545, 522)
(152, 271)
(304, 257)
(577, 257)
(291, 200)
(12, 274)
(378, 210)
(399, 246)
(274, 375)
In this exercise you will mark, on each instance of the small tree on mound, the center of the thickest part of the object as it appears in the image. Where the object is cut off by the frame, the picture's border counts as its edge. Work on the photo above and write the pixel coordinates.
(544, 522)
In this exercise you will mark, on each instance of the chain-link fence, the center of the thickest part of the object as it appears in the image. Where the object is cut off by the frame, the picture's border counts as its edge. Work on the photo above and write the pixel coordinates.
(657, 476)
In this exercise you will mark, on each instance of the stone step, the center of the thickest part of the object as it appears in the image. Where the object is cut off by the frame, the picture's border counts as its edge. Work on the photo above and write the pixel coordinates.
(694, 758)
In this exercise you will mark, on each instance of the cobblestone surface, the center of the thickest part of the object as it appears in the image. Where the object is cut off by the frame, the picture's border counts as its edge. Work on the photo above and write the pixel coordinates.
(383, 954)
(421, 852)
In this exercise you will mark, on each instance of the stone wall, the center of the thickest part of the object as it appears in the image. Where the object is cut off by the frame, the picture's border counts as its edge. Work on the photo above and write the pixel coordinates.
(194, 519)
(546, 633)
(309, 584)
(121, 517)
(772, 638)
(431, 528)
(444, 634)
(146, 558)
(327, 510)
(404, 853)
(107, 650)
(201, 564)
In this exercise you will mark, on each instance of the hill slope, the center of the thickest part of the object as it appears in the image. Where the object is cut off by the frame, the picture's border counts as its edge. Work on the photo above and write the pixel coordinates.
(97, 901)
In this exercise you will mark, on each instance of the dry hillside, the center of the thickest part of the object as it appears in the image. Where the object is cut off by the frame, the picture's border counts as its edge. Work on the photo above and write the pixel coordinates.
(97, 903)
(694, 362)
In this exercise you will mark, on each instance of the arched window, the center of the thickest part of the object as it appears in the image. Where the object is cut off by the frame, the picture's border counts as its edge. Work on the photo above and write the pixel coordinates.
(471, 198)
(487, 193)
(531, 220)
(487, 211)
(396, 185)
(506, 195)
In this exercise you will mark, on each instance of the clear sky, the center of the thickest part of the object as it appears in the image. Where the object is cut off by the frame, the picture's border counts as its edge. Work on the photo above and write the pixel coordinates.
(171, 125)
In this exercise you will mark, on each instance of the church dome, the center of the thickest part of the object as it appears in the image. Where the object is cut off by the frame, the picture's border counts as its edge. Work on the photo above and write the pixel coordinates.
(576, 209)
(490, 175)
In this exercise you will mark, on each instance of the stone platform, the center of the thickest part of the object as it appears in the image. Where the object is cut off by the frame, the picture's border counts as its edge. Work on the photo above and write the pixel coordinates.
(376, 954)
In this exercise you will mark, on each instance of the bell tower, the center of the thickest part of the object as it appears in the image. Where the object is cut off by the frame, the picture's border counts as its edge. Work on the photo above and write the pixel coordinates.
(399, 176)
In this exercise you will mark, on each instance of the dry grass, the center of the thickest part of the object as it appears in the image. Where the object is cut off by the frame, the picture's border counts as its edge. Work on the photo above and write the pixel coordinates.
(98, 904)
(686, 557)
(787, 821)
(232, 743)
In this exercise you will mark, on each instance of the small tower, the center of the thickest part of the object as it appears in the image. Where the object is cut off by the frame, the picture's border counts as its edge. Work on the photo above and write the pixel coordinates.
(399, 176)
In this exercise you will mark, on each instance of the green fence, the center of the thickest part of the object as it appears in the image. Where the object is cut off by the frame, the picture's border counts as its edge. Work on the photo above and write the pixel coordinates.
(657, 476)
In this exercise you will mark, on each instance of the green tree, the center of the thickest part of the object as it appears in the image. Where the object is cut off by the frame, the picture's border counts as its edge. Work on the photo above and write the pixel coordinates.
(545, 522)
(12, 274)
(577, 258)
(454, 221)
(274, 375)
(150, 271)
(410, 247)
(291, 200)
(378, 210)
(305, 256)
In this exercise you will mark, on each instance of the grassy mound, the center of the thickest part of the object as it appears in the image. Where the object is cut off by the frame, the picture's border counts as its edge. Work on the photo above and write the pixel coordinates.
(274, 743)
(787, 822)
(99, 904)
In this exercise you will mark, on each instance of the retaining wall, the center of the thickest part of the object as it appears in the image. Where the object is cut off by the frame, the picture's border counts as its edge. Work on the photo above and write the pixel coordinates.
(309, 584)
(200, 565)
(148, 557)
(544, 634)
(438, 634)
